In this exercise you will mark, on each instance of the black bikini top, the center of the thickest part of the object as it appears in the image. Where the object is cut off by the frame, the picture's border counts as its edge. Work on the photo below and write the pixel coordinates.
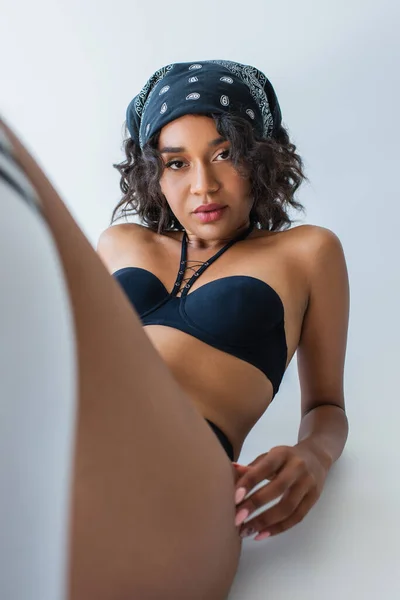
(240, 315)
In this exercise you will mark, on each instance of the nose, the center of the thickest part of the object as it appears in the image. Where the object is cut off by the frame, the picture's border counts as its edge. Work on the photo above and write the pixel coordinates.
(203, 181)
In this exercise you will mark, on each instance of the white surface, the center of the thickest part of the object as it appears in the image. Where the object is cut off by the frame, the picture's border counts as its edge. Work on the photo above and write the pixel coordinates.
(37, 406)
(69, 70)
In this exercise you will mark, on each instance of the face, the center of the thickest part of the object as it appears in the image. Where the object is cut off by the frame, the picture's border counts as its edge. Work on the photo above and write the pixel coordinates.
(198, 171)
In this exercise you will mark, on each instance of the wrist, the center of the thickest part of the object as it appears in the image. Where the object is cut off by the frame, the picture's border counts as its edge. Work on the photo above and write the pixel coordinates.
(310, 445)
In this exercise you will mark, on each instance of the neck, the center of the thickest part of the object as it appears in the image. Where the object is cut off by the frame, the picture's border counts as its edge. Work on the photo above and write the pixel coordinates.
(194, 241)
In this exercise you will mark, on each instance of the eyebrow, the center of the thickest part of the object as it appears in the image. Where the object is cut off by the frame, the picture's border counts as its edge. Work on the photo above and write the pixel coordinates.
(176, 149)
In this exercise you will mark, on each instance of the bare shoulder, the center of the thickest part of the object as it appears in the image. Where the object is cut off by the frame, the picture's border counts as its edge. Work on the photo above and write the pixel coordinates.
(312, 251)
(313, 235)
(118, 240)
(313, 242)
(112, 238)
(323, 260)
(114, 233)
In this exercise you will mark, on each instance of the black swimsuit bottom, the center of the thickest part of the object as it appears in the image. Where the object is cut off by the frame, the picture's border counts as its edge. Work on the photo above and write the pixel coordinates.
(223, 439)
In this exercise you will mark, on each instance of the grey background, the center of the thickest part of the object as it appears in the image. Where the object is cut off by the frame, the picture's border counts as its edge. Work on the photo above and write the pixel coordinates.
(68, 71)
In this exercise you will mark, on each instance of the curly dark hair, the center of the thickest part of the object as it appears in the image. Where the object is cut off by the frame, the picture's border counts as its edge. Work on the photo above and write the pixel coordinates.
(274, 169)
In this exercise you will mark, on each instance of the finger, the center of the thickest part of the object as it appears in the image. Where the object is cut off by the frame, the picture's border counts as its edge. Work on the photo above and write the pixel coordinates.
(241, 468)
(287, 477)
(294, 519)
(236, 477)
(282, 510)
(262, 468)
(238, 471)
(302, 510)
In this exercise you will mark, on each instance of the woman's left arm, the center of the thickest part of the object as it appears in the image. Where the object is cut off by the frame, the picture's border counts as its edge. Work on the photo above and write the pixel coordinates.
(321, 351)
(298, 473)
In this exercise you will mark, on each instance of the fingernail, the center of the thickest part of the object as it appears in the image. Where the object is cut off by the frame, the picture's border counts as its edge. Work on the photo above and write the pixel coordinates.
(241, 516)
(240, 494)
(247, 532)
(262, 536)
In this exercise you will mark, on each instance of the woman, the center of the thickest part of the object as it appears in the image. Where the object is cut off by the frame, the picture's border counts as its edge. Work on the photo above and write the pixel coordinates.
(226, 294)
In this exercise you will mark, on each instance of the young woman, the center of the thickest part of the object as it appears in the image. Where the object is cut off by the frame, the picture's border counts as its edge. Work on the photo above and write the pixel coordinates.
(183, 348)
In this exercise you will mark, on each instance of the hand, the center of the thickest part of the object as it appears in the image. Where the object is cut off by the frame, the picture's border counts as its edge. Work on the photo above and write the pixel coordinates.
(294, 472)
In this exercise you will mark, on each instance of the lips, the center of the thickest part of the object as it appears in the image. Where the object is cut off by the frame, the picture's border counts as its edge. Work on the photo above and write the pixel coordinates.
(209, 207)
(210, 216)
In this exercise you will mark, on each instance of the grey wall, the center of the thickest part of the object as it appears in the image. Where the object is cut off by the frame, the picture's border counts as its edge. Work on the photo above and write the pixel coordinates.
(69, 70)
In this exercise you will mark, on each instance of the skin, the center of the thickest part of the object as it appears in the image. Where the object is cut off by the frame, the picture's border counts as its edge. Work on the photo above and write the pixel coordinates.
(143, 499)
(110, 519)
(305, 265)
(203, 174)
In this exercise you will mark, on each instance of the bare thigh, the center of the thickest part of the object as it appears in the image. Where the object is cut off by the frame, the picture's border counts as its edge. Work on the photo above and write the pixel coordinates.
(152, 501)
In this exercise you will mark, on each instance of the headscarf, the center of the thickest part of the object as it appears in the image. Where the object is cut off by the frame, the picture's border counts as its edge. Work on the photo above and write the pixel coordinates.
(209, 86)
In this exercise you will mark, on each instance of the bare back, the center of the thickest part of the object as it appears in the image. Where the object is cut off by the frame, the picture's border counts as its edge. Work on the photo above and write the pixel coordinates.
(227, 390)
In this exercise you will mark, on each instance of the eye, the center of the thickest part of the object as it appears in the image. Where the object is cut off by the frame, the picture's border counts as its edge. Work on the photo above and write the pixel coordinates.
(176, 165)
(226, 152)
(169, 164)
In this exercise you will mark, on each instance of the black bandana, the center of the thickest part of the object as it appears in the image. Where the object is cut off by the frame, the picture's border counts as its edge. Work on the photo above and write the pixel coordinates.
(210, 86)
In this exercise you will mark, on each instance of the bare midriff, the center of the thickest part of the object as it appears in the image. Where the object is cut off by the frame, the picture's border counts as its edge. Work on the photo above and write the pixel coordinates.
(226, 390)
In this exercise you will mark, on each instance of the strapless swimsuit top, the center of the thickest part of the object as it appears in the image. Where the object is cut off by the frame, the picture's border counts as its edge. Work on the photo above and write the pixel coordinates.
(240, 315)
